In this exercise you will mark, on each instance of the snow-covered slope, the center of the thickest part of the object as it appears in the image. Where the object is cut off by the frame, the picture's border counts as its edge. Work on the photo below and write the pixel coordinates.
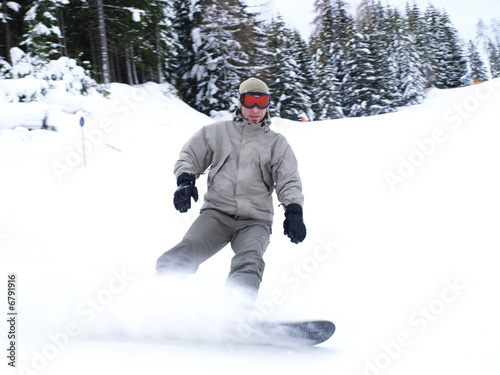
(402, 212)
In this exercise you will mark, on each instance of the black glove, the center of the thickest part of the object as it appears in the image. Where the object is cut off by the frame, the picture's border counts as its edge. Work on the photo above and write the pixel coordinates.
(185, 190)
(294, 224)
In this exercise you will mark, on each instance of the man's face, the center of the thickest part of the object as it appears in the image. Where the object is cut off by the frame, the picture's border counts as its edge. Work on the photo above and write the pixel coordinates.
(255, 115)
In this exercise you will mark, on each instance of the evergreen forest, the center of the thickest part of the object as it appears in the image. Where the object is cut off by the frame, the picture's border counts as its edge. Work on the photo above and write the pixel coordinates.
(357, 62)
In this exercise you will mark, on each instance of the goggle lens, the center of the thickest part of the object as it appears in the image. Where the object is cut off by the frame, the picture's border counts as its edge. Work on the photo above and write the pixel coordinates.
(250, 100)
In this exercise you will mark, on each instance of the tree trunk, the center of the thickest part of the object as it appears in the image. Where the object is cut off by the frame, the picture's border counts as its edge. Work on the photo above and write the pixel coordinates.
(8, 45)
(104, 42)
(128, 64)
(159, 60)
(62, 27)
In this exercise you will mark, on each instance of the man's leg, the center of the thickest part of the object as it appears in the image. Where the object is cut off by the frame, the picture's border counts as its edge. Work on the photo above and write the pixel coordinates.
(208, 234)
(247, 266)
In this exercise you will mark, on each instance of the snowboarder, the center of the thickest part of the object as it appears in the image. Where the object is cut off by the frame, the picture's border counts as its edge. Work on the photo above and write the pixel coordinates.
(247, 161)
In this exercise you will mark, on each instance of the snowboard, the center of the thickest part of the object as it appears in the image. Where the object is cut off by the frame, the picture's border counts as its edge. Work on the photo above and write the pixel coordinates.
(309, 333)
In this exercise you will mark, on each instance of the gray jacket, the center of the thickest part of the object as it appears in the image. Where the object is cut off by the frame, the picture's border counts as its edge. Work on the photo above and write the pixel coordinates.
(247, 162)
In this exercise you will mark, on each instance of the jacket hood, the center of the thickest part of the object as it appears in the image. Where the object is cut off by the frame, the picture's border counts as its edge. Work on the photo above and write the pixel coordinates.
(265, 124)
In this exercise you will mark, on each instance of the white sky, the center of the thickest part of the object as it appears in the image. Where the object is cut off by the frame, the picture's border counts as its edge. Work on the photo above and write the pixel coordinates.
(464, 14)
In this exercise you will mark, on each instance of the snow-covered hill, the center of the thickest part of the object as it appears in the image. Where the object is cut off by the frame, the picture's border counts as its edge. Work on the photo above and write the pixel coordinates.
(402, 212)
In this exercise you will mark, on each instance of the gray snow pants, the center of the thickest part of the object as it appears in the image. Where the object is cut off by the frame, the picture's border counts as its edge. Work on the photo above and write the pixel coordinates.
(211, 232)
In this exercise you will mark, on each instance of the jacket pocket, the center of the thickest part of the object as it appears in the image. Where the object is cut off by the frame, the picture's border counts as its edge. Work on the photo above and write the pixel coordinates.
(219, 178)
(266, 174)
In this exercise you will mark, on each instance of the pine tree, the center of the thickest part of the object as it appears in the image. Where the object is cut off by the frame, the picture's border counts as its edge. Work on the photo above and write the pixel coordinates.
(417, 31)
(446, 63)
(284, 76)
(494, 59)
(220, 62)
(134, 28)
(409, 76)
(455, 63)
(159, 44)
(140, 38)
(358, 83)
(495, 30)
(82, 35)
(482, 37)
(385, 35)
(371, 86)
(328, 104)
(476, 64)
(415, 23)
(9, 11)
(164, 39)
(183, 23)
(432, 51)
(328, 49)
(305, 65)
(249, 35)
(44, 37)
(343, 29)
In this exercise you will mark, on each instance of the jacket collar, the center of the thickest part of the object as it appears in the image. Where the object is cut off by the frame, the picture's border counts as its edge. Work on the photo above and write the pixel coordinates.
(265, 124)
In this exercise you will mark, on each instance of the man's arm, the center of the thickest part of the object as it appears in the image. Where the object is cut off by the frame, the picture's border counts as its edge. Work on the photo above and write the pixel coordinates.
(286, 177)
(194, 159)
(289, 191)
(196, 155)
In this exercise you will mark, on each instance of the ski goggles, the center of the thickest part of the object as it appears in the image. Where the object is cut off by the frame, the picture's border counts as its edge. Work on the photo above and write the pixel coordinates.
(252, 99)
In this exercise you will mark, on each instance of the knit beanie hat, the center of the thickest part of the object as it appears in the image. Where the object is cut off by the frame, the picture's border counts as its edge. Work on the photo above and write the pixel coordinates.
(253, 85)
